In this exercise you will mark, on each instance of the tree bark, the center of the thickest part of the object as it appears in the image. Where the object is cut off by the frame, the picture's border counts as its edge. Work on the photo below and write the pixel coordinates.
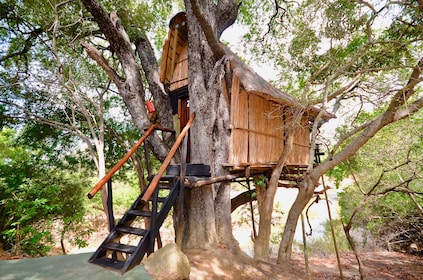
(207, 210)
(266, 196)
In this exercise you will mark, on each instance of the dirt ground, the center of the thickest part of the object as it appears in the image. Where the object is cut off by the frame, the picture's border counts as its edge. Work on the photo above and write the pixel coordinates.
(222, 264)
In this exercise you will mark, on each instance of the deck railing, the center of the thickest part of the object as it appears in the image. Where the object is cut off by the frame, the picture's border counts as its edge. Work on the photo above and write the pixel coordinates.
(148, 193)
(115, 168)
(155, 182)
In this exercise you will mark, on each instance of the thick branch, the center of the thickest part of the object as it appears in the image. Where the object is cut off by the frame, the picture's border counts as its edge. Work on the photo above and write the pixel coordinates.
(98, 57)
(109, 28)
(227, 12)
(404, 94)
(242, 198)
(211, 36)
(150, 66)
(393, 113)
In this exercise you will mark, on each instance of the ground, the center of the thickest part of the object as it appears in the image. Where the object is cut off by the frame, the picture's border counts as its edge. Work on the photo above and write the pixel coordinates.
(221, 264)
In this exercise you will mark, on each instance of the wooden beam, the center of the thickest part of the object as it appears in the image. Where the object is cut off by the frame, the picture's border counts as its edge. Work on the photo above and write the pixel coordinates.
(115, 168)
(213, 180)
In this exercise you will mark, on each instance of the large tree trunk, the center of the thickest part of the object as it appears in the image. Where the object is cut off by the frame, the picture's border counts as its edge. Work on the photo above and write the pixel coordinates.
(207, 209)
(266, 196)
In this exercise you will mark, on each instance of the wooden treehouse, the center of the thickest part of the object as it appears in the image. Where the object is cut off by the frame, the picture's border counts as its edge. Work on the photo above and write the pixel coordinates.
(259, 117)
(259, 113)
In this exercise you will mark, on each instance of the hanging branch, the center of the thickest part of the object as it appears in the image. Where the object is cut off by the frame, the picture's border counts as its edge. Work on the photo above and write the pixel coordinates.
(278, 9)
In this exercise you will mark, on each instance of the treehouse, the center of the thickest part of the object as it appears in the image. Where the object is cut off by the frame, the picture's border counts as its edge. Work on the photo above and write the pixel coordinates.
(259, 113)
(260, 116)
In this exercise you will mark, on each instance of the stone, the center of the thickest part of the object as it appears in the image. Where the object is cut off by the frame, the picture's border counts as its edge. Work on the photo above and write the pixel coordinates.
(168, 263)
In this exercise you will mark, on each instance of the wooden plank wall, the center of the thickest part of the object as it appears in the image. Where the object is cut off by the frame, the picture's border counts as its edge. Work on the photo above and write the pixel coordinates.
(301, 150)
(265, 130)
(180, 72)
(238, 147)
(258, 130)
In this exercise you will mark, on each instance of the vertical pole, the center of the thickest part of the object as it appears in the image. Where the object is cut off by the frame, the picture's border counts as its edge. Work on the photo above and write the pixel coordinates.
(305, 246)
(154, 231)
(247, 177)
(147, 161)
(182, 172)
(111, 217)
(333, 231)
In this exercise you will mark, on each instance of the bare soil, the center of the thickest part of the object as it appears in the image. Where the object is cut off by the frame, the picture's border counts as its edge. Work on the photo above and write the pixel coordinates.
(222, 264)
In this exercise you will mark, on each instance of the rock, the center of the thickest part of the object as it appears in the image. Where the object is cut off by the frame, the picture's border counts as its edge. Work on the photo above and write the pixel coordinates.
(168, 263)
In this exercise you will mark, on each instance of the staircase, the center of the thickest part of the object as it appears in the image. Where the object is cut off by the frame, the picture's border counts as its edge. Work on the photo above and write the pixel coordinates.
(121, 256)
(135, 233)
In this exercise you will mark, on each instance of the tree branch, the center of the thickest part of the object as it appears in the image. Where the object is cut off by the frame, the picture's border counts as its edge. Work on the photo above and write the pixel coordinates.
(98, 57)
(210, 34)
(393, 113)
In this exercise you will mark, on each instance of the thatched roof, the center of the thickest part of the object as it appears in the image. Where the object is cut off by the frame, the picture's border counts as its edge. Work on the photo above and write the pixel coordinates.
(250, 80)
(253, 82)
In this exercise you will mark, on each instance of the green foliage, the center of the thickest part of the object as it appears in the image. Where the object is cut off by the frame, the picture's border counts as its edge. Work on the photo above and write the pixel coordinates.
(387, 169)
(342, 171)
(32, 195)
(319, 46)
(260, 181)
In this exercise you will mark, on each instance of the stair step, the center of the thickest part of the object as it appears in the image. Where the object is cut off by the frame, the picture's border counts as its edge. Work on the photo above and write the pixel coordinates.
(139, 213)
(129, 249)
(161, 199)
(131, 230)
(105, 262)
(166, 186)
(167, 178)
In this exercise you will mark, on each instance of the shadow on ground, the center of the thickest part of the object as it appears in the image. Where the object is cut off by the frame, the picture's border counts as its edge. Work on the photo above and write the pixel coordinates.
(63, 267)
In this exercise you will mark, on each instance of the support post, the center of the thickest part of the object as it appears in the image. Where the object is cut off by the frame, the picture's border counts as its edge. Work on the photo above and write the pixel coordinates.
(333, 231)
(305, 246)
(111, 217)
(182, 171)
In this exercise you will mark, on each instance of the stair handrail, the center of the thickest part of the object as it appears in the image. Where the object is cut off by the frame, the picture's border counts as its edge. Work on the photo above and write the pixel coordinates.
(155, 182)
(118, 165)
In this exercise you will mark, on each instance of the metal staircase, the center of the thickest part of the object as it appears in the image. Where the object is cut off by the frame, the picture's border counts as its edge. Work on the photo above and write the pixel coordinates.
(134, 235)
(115, 253)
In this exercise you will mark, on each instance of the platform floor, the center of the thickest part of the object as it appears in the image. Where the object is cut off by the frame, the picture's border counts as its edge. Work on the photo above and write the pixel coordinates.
(63, 267)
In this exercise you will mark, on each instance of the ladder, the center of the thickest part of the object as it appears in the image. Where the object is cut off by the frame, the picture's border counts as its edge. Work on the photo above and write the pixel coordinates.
(121, 256)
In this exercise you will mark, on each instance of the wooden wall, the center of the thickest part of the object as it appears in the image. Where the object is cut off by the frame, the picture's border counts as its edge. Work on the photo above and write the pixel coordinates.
(174, 64)
(180, 74)
(258, 130)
